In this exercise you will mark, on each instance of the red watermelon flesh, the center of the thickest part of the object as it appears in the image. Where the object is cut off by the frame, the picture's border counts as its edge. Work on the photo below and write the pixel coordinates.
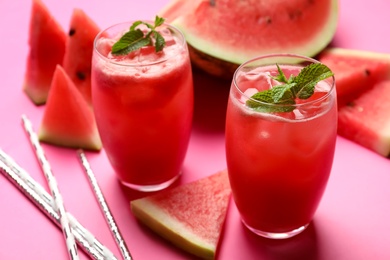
(366, 120)
(355, 71)
(68, 120)
(191, 216)
(78, 53)
(47, 42)
(221, 34)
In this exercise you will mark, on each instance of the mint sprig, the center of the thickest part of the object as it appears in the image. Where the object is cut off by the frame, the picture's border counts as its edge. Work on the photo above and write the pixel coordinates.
(135, 38)
(300, 86)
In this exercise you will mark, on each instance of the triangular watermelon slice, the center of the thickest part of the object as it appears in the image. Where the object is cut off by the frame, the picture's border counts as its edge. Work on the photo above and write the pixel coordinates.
(47, 42)
(355, 71)
(366, 120)
(68, 120)
(191, 216)
(78, 53)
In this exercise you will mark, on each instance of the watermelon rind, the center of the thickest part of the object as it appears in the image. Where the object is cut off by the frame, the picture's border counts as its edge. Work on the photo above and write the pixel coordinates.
(226, 33)
(194, 234)
(151, 216)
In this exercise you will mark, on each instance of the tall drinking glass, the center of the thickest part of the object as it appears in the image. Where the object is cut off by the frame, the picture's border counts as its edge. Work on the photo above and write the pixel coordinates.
(143, 103)
(279, 162)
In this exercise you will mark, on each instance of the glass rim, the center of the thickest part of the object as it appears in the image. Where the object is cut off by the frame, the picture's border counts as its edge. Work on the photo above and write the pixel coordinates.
(286, 55)
(129, 23)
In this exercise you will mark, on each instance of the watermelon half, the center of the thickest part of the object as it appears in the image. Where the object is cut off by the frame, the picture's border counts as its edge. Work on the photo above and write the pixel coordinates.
(366, 119)
(223, 34)
(191, 216)
(356, 71)
(47, 42)
(78, 53)
(68, 120)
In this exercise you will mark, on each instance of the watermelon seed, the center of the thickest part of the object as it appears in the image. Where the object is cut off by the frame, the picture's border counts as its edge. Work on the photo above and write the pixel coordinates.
(72, 32)
(80, 75)
(367, 72)
(212, 2)
(295, 14)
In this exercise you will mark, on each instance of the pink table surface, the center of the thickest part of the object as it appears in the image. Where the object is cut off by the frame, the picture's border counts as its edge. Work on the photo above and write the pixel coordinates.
(352, 222)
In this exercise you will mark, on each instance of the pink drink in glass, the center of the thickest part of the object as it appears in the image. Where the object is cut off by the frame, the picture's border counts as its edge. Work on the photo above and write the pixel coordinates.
(143, 104)
(279, 163)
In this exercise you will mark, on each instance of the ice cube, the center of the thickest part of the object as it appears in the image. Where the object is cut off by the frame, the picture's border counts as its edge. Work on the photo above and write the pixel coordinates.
(261, 80)
(248, 93)
(123, 58)
(148, 54)
(104, 46)
(168, 37)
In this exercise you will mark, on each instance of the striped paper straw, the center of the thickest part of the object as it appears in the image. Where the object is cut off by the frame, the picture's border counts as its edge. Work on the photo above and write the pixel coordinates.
(104, 207)
(38, 195)
(58, 202)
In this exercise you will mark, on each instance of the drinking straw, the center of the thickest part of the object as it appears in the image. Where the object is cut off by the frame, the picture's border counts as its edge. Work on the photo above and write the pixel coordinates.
(104, 207)
(43, 200)
(58, 202)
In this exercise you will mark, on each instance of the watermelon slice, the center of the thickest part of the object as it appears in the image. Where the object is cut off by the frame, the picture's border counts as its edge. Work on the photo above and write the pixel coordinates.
(366, 120)
(47, 42)
(78, 53)
(355, 71)
(221, 34)
(191, 216)
(68, 120)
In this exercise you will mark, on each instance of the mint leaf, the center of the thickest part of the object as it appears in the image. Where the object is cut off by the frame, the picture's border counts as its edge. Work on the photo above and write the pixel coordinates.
(301, 86)
(280, 77)
(160, 41)
(279, 95)
(308, 78)
(158, 21)
(135, 38)
(129, 42)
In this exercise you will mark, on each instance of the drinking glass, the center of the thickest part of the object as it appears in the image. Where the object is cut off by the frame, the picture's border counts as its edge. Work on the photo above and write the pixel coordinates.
(279, 162)
(143, 103)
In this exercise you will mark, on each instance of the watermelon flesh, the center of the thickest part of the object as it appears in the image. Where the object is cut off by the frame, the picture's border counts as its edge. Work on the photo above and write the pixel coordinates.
(236, 31)
(355, 71)
(191, 216)
(68, 120)
(47, 42)
(78, 53)
(366, 120)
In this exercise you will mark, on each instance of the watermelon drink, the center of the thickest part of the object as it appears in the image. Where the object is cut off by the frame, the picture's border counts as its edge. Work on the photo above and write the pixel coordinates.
(279, 160)
(143, 103)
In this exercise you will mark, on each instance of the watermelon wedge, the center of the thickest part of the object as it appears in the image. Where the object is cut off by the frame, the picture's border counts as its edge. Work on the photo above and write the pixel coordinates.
(223, 34)
(68, 120)
(78, 53)
(191, 216)
(355, 71)
(366, 120)
(47, 42)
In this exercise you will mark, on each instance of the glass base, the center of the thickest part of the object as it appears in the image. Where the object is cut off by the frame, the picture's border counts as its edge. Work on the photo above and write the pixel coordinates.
(151, 188)
(272, 235)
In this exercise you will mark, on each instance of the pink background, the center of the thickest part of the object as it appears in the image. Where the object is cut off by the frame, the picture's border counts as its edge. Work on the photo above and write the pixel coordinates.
(352, 222)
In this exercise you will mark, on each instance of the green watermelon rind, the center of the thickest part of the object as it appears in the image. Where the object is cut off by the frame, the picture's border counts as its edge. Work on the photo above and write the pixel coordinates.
(91, 142)
(311, 48)
(343, 52)
(182, 237)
